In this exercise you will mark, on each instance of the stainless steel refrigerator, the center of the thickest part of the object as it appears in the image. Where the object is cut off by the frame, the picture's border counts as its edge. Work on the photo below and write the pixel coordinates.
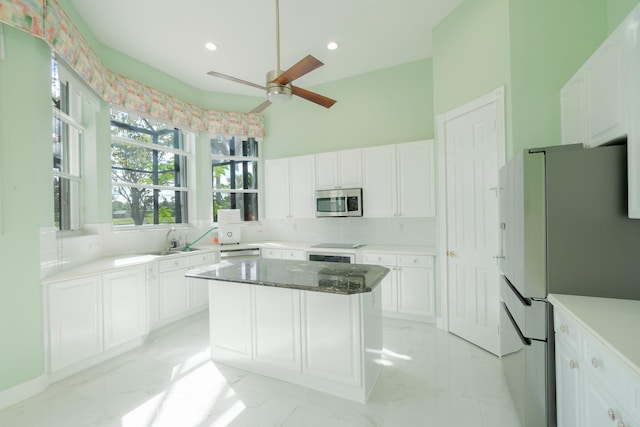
(565, 230)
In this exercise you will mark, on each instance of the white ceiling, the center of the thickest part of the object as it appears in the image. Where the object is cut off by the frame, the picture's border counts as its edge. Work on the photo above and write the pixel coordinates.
(170, 35)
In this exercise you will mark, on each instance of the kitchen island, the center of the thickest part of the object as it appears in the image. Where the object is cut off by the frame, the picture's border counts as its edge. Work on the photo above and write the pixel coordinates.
(315, 324)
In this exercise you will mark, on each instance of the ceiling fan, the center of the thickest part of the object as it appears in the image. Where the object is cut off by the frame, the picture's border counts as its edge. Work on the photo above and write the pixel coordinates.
(278, 86)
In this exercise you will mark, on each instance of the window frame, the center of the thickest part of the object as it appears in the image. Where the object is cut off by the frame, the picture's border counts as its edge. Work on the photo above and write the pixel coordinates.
(234, 160)
(186, 187)
(68, 216)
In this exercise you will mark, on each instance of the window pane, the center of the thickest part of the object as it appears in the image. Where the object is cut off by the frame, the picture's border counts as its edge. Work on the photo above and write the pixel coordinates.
(234, 146)
(66, 203)
(136, 165)
(246, 202)
(139, 206)
(231, 175)
(143, 130)
(66, 148)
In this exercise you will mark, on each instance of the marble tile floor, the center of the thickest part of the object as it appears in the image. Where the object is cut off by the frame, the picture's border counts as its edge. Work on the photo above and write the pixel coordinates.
(429, 378)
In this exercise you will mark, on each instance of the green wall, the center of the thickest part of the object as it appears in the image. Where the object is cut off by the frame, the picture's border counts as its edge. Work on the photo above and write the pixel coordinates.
(471, 53)
(530, 47)
(25, 189)
(550, 40)
(382, 107)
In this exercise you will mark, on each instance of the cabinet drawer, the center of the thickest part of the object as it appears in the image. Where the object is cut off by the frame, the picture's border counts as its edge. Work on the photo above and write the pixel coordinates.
(271, 253)
(566, 329)
(379, 258)
(173, 262)
(415, 261)
(295, 254)
(200, 259)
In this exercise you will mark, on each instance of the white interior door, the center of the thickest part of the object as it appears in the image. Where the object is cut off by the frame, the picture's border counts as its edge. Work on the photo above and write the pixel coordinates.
(474, 149)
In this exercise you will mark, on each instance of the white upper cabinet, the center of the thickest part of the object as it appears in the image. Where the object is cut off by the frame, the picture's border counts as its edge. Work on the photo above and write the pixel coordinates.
(302, 192)
(379, 176)
(606, 78)
(572, 110)
(399, 180)
(276, 174)
(595, 101)
(416, 179)
(290, 187)
(339, 169)
(601, 102)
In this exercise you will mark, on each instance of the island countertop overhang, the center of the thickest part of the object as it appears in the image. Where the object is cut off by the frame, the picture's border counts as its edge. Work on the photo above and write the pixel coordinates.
(336, 278)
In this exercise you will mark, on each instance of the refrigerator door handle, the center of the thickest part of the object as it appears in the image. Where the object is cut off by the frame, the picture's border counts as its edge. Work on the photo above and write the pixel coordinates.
(525, 340)
(523, 300)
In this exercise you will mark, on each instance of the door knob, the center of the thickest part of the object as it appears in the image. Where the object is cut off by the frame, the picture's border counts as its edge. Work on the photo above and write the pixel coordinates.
(452, 254)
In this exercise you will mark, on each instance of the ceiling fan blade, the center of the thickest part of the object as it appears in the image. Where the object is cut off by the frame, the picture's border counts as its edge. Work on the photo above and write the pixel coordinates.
(302, 67)
(260, 108)
(313, 97)
(234, 79)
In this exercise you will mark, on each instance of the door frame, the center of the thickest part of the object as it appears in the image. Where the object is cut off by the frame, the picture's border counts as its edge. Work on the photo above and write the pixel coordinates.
(495, 97)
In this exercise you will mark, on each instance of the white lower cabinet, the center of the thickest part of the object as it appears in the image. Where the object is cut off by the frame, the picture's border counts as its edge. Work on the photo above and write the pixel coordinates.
(408, 291)
(124, 306)
(593, 387)
(314, 339)
(75, 321)
(230, 321)
(331, 322)
(88, 317)
(276, 327)
(175, 295)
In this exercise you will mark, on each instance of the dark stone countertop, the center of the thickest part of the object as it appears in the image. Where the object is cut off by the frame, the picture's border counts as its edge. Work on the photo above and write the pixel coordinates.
(335, 278)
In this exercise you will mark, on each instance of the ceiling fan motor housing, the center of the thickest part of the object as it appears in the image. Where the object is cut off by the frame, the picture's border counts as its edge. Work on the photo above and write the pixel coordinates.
(277, 93)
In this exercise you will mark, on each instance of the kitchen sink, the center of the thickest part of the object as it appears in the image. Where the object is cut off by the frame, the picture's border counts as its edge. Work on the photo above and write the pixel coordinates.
(174, 251)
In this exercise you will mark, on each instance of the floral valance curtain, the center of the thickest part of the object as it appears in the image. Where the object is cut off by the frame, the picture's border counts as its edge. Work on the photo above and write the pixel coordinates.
(47, 20)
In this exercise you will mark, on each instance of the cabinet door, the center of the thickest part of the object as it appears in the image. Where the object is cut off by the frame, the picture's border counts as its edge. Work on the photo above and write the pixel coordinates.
(276, 327)
(75, 321)
(173, 293)
(416, 291)
(388, 286)
(607, 90)
(277, 188)
(573, 110)
(198, 293)
(327, 170)
(302, 188)
(124, 306)
(600, 409)
(230, 320)
(350, 168)
(567, 385)
(379, 181)
(331, 337)
(416, 179)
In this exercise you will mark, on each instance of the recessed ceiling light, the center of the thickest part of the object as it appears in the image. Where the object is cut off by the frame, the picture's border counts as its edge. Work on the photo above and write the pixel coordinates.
(332, 46)
(211, 46)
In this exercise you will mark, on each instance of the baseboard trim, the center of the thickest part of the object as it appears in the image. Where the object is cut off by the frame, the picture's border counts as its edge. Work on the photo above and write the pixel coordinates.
(23, 391)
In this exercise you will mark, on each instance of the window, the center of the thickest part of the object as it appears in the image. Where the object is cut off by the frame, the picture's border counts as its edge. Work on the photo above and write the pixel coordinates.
(148, 171)
(234, 176)
(67, 136)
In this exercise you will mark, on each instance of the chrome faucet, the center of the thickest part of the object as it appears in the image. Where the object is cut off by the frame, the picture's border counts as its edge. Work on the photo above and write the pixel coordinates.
(168, 244)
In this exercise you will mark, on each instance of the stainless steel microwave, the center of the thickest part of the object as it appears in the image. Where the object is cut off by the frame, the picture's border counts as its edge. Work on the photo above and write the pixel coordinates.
(339, 202)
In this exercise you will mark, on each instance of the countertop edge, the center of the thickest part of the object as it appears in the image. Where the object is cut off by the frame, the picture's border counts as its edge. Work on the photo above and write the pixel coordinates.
(585, 310)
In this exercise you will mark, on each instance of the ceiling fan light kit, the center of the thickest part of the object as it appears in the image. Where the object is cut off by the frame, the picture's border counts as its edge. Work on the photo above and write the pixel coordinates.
(278, 86)
(277, 93)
